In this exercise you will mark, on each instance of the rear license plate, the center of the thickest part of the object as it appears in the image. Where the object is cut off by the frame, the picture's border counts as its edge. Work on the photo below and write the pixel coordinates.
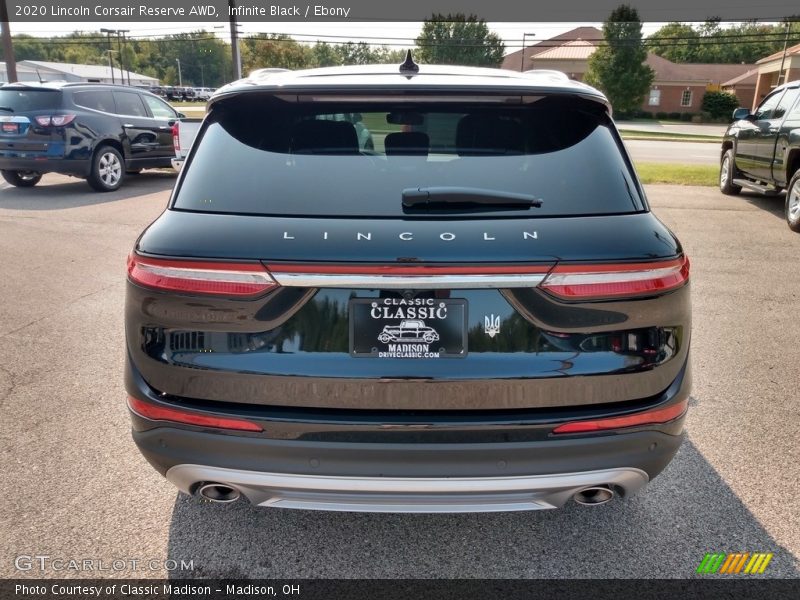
(10, 128)
(418, 328)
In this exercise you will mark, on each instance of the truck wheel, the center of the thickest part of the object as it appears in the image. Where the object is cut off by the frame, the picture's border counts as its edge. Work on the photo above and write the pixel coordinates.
(22, 178)
(727, 172)
(108, 169)
(793, 203)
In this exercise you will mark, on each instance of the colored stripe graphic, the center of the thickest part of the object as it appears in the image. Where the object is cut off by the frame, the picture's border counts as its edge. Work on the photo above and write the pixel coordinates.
(734, 563)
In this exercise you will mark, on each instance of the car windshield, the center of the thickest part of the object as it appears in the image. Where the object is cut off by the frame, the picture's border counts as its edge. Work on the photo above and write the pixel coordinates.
(22, 100)
(258, 154)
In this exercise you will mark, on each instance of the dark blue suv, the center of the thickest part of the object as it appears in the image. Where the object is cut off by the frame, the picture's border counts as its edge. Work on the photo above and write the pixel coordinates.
(93, 131)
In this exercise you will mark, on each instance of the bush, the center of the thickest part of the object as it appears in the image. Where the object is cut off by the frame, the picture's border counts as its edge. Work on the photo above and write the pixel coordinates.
(662, 115)
(719, 104)
(643, 114)
(686, 117)
(675, 116)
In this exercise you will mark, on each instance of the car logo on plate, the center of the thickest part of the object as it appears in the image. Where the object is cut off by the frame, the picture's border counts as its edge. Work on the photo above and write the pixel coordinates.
(492, 325)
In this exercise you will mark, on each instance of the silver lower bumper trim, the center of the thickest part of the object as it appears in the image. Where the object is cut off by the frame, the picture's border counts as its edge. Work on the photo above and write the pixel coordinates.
(407, 494)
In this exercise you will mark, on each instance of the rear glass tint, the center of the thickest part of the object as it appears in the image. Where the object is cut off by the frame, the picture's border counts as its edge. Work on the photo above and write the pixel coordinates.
(261, 155)
(23, 100)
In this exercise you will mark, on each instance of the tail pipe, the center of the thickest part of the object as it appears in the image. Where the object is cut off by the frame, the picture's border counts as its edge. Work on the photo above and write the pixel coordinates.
(594, 496)
(217, 492)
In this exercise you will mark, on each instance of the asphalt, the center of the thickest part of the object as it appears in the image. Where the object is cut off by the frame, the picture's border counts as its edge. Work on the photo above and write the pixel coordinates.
(75, 486)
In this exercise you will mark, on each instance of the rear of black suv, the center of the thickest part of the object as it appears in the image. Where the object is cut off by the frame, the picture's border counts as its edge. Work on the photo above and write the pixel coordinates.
(478, 314)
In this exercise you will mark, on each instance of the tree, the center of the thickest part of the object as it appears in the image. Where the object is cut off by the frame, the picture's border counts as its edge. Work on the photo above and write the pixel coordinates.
(458, 40)
(719, 104)
(710, 43)
(618, 67)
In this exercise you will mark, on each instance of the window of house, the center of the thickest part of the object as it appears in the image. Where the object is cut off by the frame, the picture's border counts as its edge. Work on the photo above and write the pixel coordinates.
(655, 98)
(686, 98)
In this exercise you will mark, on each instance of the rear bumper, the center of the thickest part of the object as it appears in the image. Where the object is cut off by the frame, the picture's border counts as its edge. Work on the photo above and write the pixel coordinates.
(407, 477)
(177, 164)
(78, 168)
(406, 494)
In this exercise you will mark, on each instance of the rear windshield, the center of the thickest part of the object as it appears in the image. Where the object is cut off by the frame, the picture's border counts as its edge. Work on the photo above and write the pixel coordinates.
(262, 155)
(23, 100)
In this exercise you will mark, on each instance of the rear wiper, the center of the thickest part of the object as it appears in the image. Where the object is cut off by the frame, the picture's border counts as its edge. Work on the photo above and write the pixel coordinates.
(7, 108)
(448, 195)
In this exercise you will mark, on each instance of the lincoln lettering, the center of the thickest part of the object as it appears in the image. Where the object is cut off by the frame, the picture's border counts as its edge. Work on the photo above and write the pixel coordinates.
(409, 236)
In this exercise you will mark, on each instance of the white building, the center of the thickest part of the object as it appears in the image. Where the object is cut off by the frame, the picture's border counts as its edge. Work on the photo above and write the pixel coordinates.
(40, 70)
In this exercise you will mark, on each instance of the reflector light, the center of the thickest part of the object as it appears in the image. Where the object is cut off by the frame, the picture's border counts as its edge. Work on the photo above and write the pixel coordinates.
(219, 278)
(648, 417)
(582, 282)
(175, 415)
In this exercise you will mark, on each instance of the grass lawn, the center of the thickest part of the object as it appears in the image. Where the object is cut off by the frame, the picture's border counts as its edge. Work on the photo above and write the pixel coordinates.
(677, 173)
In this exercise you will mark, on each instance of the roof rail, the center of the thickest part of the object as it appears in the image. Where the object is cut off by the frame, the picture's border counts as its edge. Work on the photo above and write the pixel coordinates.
(551, 73)
(261, 73)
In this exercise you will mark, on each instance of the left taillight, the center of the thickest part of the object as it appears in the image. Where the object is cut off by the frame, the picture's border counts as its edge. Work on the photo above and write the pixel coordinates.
(155, 412)
(196, 277)
(54, 120)
(615, 281)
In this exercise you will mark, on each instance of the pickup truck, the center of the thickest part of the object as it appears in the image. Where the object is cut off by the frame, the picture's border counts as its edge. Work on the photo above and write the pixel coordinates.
(183, 134)
(761, 150)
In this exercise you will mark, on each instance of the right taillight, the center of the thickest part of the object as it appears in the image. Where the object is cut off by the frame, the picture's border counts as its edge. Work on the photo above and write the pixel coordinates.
(176, 138)
(610, 281)
(196, 277)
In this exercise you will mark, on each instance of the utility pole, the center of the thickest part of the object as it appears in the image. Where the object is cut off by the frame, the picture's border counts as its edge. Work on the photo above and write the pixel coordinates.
(237, 58)
(781, 75)
(108, 33)
(180, 76)
(121, 44)
(8, 47)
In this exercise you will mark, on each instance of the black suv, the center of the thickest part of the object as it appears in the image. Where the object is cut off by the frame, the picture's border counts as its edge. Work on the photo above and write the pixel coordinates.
(761, 150)
(93, 131)
(479, 313)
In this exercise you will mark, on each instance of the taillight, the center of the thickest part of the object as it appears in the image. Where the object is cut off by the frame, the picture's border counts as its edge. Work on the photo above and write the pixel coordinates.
(647, 417)
(194, 277)
(54, 120)
(175, 415)
(176, 139)
(608, 281)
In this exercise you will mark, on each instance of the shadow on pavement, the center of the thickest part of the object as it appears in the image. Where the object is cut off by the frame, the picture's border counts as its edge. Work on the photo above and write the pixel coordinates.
(771, 204)
(663, 532)
(73, 192)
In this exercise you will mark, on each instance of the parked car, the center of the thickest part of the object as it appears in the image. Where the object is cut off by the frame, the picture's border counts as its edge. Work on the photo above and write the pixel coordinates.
(184, 133)
(498, 210)
(93, 131)
(761, 150)
(203, 93)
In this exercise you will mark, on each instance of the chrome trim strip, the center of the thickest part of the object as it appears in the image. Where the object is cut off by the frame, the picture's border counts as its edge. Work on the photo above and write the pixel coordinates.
(404, 282)
(406, 494)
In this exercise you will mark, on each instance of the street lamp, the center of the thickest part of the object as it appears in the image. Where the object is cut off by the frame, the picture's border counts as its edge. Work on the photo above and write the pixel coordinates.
(522, 57)
(180, 76)
(120, 43)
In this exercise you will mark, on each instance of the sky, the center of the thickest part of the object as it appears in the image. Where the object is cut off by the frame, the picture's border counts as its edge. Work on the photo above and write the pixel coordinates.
(376, 33)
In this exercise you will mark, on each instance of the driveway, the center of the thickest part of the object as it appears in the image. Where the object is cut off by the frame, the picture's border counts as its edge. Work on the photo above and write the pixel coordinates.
(75, 486)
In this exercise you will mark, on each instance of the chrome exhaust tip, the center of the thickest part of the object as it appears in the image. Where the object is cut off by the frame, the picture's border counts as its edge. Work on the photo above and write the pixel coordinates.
(594, 496)
(218, 492)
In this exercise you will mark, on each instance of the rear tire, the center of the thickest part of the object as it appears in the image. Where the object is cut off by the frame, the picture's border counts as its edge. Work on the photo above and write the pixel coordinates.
(23, 179)
(108, 170)
(727, 173)
(793, 203)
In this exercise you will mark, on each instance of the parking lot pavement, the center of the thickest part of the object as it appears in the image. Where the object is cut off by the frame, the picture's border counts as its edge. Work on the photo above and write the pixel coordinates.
(75, 486)
(694, 153)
